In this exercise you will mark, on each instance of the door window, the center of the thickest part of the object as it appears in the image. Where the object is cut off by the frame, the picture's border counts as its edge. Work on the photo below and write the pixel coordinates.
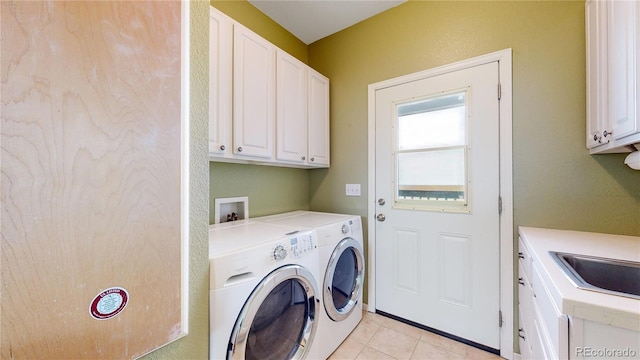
(431, 153)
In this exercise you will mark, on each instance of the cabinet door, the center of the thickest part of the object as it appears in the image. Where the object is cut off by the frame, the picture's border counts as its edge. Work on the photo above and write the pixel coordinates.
(220, 88)
(596, 74)
(622, 39)
(254, 67)
(318, 138)
(291, 109)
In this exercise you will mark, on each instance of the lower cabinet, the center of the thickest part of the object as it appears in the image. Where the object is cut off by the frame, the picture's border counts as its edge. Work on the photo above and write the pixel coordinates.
(547, 333)
(543, 330)
(593, 340)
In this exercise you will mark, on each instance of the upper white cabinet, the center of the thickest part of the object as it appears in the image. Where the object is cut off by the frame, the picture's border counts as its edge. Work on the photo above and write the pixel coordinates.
(302, 113)
(623, 41)
(291, 109)
(220, 88)
(318, 134)
(613, 85)
(266, 106)
(254, 84)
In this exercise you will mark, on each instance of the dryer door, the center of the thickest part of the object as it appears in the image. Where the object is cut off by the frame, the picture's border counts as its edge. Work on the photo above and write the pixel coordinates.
(343, 279)
(278, 320)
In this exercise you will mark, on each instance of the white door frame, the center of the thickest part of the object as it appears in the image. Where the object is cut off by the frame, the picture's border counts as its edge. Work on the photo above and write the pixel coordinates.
(506, 183)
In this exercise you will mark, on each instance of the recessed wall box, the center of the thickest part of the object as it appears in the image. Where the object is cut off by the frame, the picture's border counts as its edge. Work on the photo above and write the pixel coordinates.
(229, 209)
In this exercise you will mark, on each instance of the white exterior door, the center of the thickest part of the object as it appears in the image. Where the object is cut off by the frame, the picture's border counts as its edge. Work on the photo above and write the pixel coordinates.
(437, 194)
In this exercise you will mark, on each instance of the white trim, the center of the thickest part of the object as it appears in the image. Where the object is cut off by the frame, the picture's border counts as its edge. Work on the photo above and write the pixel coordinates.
(185, 163)
(506, 183)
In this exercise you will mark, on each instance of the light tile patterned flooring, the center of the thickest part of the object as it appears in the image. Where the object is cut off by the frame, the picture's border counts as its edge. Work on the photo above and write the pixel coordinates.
(379, 337)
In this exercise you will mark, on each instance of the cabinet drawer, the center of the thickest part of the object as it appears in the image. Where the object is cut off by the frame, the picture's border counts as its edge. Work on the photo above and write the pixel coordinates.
(553, 326)
(525, 300)
(524, 257)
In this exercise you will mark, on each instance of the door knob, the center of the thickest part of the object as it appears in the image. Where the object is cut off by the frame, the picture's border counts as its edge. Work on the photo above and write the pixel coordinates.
(381, 201)
(381, 217)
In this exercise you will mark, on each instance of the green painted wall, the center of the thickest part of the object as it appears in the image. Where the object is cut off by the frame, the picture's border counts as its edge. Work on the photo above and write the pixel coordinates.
(557, 184)
(270, 189)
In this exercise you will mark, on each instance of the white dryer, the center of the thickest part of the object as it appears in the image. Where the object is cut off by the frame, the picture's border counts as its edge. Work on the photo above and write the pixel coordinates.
(263, 299)
(342, 264)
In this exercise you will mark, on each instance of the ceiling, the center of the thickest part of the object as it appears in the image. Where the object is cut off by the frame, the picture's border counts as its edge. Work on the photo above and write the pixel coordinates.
(312, 20)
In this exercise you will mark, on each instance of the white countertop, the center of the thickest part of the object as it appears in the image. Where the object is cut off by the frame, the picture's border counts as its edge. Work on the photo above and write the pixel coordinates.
(585, 304)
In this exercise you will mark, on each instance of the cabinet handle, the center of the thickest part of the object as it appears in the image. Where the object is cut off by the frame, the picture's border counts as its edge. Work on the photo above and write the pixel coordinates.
(312, 159)
(605, 133)
(222, 147)
(520, 330)
(304, 158)
(520, 255)
(239, 148)
(521, 281)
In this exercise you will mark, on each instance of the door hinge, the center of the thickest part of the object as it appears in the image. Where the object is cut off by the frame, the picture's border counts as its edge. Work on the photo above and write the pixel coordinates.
(499, 205)
(500, 318)
(499, 91)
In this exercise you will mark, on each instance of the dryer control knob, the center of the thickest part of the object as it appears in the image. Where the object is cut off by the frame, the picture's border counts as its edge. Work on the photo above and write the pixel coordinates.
(279, 253)
(345, 229)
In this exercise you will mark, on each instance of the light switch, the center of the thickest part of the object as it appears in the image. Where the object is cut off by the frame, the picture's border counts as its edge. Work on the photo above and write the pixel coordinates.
(353, 190)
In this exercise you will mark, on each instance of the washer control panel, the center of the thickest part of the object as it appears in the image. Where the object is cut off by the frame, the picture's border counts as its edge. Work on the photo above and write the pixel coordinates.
(349, 227)
(301, 243)
(279, 252)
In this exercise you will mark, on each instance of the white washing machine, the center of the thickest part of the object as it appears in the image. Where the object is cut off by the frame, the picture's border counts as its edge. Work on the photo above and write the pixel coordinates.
(342, 267)
(263, 298)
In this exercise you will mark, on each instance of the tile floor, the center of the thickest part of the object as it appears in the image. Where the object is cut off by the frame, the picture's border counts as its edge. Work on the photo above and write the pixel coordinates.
(379, 337)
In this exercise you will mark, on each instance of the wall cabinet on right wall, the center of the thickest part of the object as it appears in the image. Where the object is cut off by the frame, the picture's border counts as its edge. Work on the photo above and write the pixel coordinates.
(613, 84)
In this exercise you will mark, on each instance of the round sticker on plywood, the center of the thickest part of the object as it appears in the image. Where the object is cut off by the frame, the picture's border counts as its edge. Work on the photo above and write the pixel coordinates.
(109, 303)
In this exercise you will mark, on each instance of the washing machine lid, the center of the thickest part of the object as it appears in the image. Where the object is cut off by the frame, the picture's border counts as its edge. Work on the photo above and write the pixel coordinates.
(229, 239)
(308, 219)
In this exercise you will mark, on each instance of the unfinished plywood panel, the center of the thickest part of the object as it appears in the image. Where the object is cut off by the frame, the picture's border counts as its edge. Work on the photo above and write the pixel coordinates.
(91, 178)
